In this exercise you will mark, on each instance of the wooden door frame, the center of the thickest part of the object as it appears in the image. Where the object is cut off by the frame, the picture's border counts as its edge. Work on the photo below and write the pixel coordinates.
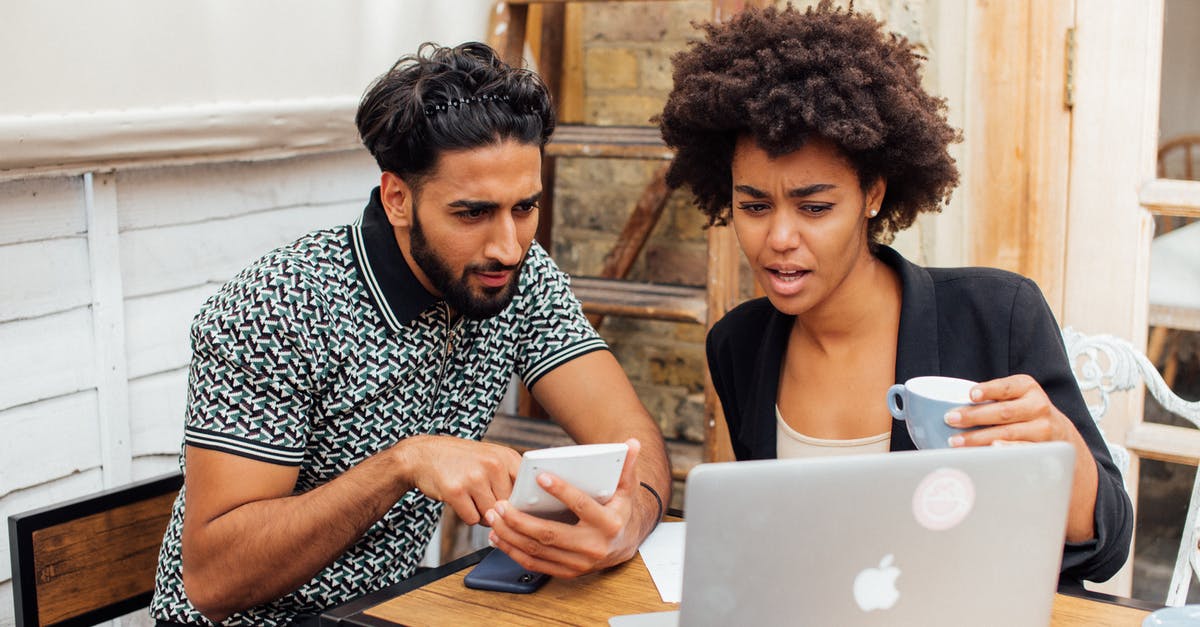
(1061, 128)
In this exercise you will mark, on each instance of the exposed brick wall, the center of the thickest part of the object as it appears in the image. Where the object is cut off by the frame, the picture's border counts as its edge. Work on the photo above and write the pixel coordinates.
(627, 76)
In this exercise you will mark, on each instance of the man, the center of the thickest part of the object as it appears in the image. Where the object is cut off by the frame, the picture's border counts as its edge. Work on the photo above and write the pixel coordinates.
(340, 384)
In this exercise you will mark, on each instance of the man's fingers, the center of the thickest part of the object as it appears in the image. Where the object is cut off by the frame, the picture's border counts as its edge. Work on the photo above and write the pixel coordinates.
(465, 507)
(579, 502)
(628, 482)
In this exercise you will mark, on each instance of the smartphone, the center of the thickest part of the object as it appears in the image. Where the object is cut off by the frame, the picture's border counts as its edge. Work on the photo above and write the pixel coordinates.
(497, 571)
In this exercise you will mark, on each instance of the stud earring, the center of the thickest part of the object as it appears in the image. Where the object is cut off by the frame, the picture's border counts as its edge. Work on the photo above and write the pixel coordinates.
(874, 212)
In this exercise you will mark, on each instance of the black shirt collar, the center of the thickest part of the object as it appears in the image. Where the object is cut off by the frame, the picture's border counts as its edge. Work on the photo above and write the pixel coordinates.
(385, 275)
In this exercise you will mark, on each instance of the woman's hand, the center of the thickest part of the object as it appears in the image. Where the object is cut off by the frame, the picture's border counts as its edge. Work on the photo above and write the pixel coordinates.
(1020, 411)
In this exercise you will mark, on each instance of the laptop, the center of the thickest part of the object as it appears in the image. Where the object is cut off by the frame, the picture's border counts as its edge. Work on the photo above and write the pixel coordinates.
(939, 537)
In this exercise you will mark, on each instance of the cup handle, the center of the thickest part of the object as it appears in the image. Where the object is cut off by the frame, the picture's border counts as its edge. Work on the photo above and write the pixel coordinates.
(897, 398)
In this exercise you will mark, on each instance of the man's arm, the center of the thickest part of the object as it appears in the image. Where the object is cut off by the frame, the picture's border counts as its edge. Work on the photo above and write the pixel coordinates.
(248, 540)
(593, 400)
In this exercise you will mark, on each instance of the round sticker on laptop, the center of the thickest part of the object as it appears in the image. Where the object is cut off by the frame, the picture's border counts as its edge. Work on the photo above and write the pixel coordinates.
(943, 499)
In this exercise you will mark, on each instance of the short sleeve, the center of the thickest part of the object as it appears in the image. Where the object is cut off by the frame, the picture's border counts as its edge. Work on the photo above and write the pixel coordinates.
(257, 353)
(553, 329)
(1037, 350)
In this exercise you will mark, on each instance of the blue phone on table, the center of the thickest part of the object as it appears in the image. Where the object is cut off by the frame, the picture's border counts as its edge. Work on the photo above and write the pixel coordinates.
(497, 571)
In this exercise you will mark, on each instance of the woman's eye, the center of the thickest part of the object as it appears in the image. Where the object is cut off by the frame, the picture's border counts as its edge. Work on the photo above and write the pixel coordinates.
(753, 207)
(816, 209)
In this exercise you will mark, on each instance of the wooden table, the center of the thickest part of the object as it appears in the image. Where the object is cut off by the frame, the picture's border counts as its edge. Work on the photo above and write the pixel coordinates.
(438, 597)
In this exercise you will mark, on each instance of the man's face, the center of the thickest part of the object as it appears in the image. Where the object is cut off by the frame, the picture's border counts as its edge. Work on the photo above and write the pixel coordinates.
(471, 223)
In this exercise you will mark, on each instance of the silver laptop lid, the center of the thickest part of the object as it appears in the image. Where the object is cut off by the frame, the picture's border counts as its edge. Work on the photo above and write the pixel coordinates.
(942, 537)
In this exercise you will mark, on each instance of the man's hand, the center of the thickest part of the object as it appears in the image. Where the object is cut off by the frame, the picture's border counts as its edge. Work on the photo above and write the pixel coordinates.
(466, 475)
(1020, 411)
(605, 535)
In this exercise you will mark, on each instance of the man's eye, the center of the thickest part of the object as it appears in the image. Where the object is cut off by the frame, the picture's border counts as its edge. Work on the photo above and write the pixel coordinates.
(527, 207)
(472, 214)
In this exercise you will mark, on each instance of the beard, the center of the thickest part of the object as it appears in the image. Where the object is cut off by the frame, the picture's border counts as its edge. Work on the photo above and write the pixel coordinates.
(456, 290)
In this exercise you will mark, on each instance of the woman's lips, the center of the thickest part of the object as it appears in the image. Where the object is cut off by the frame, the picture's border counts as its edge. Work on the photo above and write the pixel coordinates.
(787, 282)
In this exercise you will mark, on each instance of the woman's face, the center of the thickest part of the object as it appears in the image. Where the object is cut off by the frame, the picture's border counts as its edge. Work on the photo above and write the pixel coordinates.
(801, 218)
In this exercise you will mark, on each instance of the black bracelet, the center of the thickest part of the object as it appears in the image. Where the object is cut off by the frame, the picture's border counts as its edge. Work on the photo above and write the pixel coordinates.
(656, 498)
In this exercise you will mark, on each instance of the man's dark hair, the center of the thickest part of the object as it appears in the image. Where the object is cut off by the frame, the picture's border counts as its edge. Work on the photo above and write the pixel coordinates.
(782, 77)
(442, 99)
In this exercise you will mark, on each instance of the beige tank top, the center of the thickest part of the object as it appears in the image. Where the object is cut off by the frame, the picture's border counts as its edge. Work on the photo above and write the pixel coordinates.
(790, 443)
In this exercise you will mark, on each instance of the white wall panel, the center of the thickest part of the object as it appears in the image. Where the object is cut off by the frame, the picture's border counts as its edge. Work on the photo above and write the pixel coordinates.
(155, 465)
(44, 277)
(41, 208)
(180, 195)
(48, 440)
(46, 357)
(64, 489)
(182, 256)
(158, 328)
(156, 406)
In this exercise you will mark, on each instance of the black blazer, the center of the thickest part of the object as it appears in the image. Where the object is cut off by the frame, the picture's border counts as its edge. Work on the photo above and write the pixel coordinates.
(972, 323)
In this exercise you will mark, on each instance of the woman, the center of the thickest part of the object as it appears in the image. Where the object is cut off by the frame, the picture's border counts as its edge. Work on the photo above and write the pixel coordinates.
(811, 133)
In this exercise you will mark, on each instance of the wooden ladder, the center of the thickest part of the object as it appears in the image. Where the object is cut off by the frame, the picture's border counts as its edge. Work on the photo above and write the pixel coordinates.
(611, 293)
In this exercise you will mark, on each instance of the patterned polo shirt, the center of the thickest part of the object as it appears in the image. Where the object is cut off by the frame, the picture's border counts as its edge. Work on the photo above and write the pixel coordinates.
(327, 351)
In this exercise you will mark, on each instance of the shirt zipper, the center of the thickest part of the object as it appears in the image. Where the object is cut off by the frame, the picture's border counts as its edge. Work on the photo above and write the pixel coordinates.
(447, 349)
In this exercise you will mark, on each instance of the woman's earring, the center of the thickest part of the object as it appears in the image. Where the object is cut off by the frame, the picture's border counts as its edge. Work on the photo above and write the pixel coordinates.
(874, 212)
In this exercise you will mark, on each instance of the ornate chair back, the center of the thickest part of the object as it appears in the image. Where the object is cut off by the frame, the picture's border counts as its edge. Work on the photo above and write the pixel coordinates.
(1104, 364)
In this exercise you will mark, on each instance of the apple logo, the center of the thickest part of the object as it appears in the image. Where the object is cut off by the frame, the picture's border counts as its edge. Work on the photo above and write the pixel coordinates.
(875, 588)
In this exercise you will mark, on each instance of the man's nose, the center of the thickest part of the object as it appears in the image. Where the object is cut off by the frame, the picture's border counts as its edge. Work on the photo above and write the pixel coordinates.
(503, 244)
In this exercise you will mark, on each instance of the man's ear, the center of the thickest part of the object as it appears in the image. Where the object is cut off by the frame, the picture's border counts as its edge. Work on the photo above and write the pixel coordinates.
(397, 198)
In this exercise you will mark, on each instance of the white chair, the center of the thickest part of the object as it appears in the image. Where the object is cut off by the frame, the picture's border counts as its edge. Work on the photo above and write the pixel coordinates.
(1108, 364)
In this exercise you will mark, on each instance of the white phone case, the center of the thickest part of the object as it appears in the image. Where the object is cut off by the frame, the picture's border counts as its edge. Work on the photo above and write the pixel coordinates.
(592, 468)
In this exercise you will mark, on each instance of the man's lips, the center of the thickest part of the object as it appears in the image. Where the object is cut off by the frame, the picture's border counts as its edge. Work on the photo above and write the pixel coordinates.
(494, 279)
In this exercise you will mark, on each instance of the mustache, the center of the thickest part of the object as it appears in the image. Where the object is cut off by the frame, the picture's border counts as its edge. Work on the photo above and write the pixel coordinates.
(493, 266)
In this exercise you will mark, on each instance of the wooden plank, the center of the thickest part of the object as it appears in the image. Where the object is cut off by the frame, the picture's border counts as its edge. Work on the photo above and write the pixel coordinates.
(99, 559)
(641, 300)
(79, 142)
(637, 230)
(1168, 443)
(1171, 198)
(46, 357)
(622, 142)
(149, 466)
(48, 440)
(168, 258)
(571, 95)
(1185, 318)
(156, 413)
(1108, 233)
(41, 208)
(69, 487)
(189, 194)
(1017, 134)
(163, 323)
(108, 327)
(1071, 611)
(45, 277)
(588, 600)
(722, 295)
